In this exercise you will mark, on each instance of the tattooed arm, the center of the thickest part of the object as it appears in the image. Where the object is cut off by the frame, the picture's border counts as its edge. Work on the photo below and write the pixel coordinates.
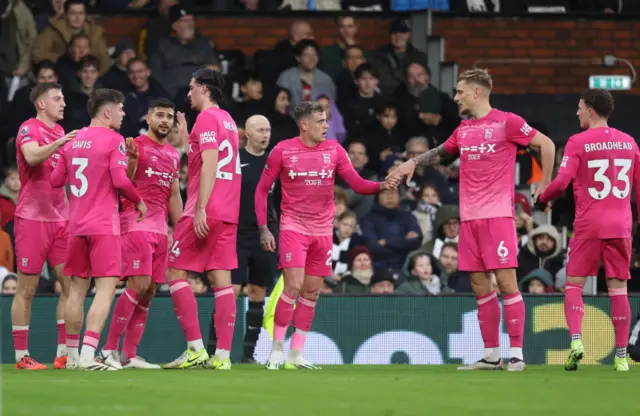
(431, 157)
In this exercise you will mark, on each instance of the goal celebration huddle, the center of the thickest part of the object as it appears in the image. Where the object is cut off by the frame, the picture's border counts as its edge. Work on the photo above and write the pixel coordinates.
(95, 205)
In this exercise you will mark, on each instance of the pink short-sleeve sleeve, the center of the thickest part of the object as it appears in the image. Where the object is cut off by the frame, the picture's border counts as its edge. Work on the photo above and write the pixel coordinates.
(570, 159)
(451, 145)
(206, 130)
(518, 130)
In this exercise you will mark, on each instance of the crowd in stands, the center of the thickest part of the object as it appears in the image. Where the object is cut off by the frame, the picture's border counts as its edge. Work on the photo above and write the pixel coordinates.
(381, 106)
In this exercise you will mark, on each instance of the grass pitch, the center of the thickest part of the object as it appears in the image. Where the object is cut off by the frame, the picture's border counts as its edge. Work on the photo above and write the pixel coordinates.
(336, 390)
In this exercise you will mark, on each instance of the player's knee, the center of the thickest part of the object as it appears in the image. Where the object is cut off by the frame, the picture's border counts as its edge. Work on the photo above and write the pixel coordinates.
(139, 286)
(311, 294)
(27, 289)
(256, 293)
(292, 290)
(175, 274)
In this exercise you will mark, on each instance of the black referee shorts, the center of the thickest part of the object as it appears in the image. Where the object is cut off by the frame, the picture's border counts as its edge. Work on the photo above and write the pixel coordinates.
(255, 265)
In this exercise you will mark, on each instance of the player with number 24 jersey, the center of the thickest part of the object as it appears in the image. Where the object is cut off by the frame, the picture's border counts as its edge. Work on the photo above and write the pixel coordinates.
(214, 129)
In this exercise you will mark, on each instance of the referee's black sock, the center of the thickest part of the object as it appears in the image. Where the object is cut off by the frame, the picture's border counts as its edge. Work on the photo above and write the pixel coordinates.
(213, 340)
(253, 323)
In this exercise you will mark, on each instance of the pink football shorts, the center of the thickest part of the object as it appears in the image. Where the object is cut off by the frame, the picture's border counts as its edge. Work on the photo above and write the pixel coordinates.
(584, 257)
(488, 244)
(145, 254)
(217, 251)
(93, 256)
(37, 241)
(313, 253)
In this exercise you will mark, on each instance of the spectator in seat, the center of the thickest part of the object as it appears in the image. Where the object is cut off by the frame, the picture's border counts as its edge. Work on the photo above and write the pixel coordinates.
(446, 230)
(21, 108)
(346, 80)
(360, 110)
(278, 100)
(155, 29)
(336, 130)
(68, 64)
(524, 221)
(382, 283)
(44, 10)
(339, 203)
(428, 204)
(543, 251)
(180, 54)
(18, 33)
(344, 239)
(385, 137)
(7, 255)
(333, 56)
(392, 60)
(537, 282)
(53, 42)
(141, 90)
(252, 97)
(10, 284)
(306, 81)
(9, 192)
(361, 271)
(438, 114)
(407, 95)
(421, 270)
(75, 113)
(117, 77)
(360, 204)
(283, 56)
(389, 232)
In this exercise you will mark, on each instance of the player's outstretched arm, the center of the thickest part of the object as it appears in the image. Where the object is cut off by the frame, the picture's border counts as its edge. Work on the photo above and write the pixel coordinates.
(430, 157)
(34, 154)
(175, 202)
(59, 175)
(348, 173)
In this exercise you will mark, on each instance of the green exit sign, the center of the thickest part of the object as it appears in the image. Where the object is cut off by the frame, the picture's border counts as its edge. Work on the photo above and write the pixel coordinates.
(610, 82)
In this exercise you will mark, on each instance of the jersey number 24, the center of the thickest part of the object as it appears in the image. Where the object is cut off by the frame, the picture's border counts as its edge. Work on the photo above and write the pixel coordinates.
(228, 159)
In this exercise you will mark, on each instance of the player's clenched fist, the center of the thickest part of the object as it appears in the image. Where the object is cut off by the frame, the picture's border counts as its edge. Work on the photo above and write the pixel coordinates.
(267, 241)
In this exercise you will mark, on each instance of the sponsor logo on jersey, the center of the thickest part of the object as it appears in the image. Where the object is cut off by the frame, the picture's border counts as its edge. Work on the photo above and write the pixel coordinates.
(324, 173)
(208, 137)
(526, 129)
(565, 159)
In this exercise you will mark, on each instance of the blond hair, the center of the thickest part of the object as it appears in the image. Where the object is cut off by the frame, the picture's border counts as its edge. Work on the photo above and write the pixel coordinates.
(477, 76)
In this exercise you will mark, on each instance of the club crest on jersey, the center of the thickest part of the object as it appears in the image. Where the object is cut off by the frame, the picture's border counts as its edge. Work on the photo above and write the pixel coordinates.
(24, 130)
(136, 264)
(154, 158)
(326, 158)
(488, 133)
(294, 159)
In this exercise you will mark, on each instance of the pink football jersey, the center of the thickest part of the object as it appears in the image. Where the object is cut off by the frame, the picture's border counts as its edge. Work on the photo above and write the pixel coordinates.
(38, 200)
(94, 163)
(603, 164)
(215, 129)
(307, 176)
(487, 149)
(158, 167)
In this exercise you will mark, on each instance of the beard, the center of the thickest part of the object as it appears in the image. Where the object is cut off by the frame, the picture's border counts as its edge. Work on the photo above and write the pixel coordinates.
(160, 134)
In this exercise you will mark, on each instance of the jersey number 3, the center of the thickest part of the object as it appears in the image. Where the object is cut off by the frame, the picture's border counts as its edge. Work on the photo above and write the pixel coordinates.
(81, 163)
(601, 176)
(227, 176)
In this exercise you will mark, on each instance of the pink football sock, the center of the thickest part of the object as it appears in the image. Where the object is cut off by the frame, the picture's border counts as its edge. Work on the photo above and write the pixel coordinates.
(282, 319)
(489, 319)
(302, 320)
(125, 306)
(620, 316)
(514, 318)
(573, 309)
(135, 329)
(186, 308)
(224, 317)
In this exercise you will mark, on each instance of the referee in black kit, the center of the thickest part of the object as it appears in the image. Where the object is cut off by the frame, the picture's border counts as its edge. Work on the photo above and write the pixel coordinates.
(257, 268)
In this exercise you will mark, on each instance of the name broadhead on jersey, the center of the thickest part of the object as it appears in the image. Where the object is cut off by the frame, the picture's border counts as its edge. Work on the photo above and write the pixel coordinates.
(93, 163)
(158, 167)
(604, 164)
(215, 130)
(487, 149)
(38, 200)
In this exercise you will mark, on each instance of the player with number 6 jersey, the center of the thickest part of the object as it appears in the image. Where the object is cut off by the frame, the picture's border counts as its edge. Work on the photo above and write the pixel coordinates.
(205, 236)
(604, 164)
(94, 166)
(487, 143)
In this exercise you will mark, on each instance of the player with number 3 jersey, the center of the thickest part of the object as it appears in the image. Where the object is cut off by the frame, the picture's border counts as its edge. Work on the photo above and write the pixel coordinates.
(604, 164)
(205, 236)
